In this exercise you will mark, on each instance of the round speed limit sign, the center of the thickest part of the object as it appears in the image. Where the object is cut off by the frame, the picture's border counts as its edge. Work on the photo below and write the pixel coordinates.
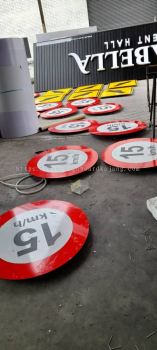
(48, 106)
(39, 237)
(102, 109)
(59, 112)
(117, 127)
(62, 162)
(71, 127)
(136, 153)
(84, 102)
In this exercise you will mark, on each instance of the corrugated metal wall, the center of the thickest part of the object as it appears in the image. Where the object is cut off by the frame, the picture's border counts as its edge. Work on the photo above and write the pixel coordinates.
(111, 14)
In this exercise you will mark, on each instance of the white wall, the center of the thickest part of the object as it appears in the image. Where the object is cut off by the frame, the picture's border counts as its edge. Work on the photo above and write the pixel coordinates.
(65, 14)
(20, 18)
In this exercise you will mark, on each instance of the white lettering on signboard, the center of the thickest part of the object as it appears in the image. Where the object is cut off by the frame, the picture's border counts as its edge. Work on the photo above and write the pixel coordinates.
(114, 55)
(81, 63)
(100, 57)
(126, 57)
(155, 37)
(141, 56)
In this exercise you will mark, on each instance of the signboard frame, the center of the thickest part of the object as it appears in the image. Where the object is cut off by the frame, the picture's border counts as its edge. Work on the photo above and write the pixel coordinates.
(101, 57)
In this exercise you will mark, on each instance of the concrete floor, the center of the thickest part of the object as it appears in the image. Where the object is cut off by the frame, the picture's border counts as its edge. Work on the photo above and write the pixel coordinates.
(109, 289)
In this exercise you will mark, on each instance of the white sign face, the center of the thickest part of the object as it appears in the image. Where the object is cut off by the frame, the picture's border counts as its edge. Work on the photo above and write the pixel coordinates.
(42, 107)
(73, 125)
(34, 235)
(116, 127)
(136, 152)
(59, 111)
(62, 161)
(83, 102)
(102, 108)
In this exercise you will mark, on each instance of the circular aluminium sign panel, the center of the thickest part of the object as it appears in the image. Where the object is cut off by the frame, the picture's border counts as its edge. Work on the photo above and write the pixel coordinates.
(117, 127)
(62, 162)
(102, 109)
(39, 237)
(48, 106)
(135, 153)
(59, 112)
(84, 102)
(71, 127)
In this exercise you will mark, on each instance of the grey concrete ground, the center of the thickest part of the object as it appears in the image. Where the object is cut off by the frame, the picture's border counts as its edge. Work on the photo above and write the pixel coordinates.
(109, 289)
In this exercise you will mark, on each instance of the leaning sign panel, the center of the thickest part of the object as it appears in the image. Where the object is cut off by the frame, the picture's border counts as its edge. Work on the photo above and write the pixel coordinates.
(100, 57)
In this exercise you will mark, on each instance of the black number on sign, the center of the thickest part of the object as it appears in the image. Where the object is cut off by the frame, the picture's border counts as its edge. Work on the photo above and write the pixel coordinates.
(75, 158)
(48, 235)
(113, 127)
(131, 149)
(32, 242)
(125, 127)
(116, 127)
(81, 125)
(56, 112)
(60, 111)
(59, 160)
(102, 108)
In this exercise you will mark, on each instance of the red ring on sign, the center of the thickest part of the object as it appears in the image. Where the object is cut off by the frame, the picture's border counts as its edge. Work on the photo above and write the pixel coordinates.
(33, 169)
(54, 129)
(95, 101)
(116, 108)
(13, 271)
(48, 108)
(36, 94)
(48, 115)
(108, 158)
(139, 127)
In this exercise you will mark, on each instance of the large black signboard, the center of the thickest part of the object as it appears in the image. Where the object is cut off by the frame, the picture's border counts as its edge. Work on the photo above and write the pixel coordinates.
(100, 57)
